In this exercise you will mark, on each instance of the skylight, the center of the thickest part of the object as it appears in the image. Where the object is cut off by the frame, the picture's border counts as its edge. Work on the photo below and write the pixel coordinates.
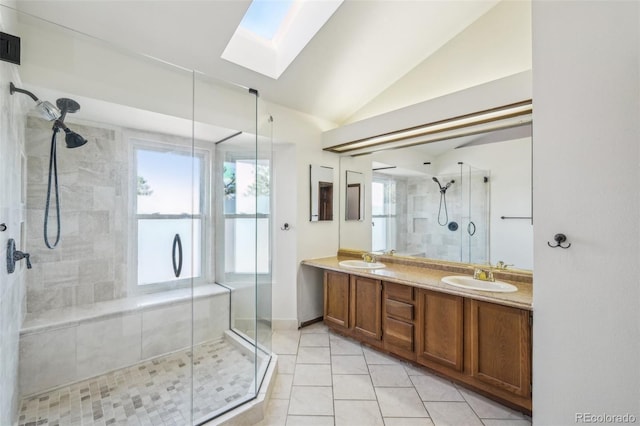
(265, 17)
(273, 33)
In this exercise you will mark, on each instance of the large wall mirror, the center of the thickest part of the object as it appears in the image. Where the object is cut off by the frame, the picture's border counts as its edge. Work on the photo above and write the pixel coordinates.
(321, 202)
(465, 200)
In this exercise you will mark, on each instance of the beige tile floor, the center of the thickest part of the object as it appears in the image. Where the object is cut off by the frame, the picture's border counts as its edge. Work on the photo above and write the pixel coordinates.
(326, 379)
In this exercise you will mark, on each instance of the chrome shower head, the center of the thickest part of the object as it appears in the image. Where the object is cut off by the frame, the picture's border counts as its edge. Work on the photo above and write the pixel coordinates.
(48, 111)
(45, 109)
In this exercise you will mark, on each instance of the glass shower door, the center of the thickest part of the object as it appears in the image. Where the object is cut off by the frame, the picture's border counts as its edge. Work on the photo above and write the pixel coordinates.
(226, 121)
(107, 334)
(475, 224)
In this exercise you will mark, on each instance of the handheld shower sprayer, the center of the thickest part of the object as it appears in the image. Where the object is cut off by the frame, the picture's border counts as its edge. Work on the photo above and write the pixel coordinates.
(56, 113)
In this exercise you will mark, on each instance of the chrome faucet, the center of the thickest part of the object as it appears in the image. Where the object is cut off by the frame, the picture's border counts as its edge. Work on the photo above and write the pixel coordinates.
(501, 265)
(483, 274)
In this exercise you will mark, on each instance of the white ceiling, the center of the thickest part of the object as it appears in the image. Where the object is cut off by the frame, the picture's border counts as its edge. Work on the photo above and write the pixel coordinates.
(365, 46)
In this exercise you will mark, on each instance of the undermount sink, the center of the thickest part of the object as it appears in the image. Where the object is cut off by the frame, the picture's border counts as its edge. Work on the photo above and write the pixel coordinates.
(464, 281)
(361, 264)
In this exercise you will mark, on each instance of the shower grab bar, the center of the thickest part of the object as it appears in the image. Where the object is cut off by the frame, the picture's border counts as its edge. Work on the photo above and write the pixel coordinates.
(177, 243)
(515, 217)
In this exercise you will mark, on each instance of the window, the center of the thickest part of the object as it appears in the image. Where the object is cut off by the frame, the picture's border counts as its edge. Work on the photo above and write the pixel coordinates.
(170, 194)
(264, 18)
(383, 200)
(273, 33)
(246, 215)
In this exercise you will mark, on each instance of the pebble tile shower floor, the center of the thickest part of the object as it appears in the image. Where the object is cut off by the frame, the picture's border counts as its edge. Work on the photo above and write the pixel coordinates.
(155, 392)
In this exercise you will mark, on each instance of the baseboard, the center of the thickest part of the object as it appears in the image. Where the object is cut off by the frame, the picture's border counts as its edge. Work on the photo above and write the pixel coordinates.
(284, 324)
(311, 321)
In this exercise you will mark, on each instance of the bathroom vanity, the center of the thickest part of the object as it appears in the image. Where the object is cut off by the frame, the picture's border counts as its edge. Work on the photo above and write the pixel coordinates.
(477, 338)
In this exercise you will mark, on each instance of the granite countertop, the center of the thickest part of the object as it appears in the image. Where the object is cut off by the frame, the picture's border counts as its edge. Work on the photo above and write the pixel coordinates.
(425, 277)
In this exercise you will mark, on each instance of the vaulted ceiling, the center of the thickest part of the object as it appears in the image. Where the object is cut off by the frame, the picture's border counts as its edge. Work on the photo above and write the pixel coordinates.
(363, 49)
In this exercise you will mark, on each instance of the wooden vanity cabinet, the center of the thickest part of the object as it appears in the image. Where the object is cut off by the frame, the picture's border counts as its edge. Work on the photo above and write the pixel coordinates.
(398, 319)
(336, 299)
(353, 305)
(366, 304)
(500, 346)
(484, 345)
(440, 330)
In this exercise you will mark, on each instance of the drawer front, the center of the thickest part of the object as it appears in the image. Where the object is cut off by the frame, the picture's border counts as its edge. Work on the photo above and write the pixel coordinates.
(399, 310)
(398, 334)
(399, 291)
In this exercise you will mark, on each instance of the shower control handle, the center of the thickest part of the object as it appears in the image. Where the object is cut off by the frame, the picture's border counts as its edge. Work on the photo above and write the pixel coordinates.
(18, 255)
(14, 255)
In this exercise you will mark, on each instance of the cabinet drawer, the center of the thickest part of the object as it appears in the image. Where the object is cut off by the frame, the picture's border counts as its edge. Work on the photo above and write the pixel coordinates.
(399, 291)
(398, 334)
(399, 310)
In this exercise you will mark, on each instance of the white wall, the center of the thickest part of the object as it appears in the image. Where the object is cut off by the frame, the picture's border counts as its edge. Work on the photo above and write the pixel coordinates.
(497, 45)
(297, 290)
(355, 234)
(586, 333)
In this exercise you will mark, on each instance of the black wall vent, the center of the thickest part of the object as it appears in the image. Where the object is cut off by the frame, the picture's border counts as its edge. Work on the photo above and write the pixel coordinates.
(10, 48)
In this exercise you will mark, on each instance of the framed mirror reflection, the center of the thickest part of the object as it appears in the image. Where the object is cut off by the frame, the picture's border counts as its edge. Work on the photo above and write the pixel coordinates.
(452, 200)
(321, 199)
(354, 202)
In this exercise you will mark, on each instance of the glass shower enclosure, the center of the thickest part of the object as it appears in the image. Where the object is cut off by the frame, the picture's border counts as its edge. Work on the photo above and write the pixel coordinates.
(155, 306)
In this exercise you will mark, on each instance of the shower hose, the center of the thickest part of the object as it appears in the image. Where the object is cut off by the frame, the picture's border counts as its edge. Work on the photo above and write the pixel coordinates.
(53, 172)
(443, 201)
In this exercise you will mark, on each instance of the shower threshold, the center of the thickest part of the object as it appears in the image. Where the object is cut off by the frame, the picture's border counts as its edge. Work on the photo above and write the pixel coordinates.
(154, 392)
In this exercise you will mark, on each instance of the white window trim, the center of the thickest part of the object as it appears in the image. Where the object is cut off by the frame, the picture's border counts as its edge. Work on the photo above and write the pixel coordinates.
(160, 142)
(386, 215)
(239, 277)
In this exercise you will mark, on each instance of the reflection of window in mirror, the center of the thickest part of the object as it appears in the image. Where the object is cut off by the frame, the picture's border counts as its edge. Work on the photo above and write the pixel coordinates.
(321, 199)
(383, 201)
(353, 201)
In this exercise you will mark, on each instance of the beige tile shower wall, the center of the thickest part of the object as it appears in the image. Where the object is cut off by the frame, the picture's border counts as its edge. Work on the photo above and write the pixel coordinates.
(89, 264)
(12, 115)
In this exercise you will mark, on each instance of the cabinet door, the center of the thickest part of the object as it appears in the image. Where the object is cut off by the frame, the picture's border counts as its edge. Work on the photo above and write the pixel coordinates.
(366, 307)
(440, 329)
(501, 346)
(336, 299)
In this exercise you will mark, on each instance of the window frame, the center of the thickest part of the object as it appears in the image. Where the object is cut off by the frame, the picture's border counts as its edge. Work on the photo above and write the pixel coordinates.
(386, 182)
(182, 146)
(235, 156)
